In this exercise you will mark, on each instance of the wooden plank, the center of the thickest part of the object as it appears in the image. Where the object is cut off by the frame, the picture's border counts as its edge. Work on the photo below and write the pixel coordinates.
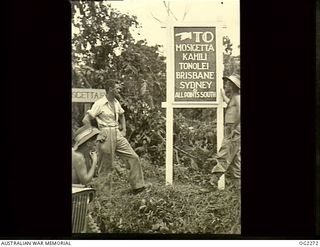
(208, 104)
(169, 109)
(87, 95)
(220, 112)
(169, 146)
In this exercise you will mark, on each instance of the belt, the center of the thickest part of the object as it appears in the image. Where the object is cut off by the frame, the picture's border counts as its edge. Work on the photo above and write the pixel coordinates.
(111, 126)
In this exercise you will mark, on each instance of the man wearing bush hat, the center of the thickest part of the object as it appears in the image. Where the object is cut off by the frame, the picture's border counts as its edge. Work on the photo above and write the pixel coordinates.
(228, 159)
(84, 156)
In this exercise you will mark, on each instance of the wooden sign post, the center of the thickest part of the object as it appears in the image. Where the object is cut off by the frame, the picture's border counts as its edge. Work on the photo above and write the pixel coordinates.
(194, 76)
(87, 96)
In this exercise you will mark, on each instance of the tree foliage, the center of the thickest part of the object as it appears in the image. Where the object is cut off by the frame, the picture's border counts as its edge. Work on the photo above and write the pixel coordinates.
(104, 49)
(98, 31)
(231, 63)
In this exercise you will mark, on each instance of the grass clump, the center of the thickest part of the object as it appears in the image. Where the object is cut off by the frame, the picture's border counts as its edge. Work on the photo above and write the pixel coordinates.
(187, 207)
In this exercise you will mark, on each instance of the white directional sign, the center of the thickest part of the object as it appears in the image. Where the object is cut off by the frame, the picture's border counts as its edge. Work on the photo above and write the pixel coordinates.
(87, 95)
(194, 76)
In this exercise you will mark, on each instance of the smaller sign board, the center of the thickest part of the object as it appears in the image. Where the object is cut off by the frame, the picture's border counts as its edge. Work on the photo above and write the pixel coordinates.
(87, 95)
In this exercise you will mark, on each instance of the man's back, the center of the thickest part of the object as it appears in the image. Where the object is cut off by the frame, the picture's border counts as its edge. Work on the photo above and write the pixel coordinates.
(77, 159)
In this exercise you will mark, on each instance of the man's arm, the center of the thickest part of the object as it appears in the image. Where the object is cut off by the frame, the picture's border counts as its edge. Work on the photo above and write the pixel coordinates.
(90, 117)
(81, 169)
(87, 120)
(238, 118)
(122, 126)
(224, 96)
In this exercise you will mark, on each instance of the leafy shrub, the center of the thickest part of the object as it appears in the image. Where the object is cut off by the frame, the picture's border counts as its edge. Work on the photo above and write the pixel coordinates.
(197, 138)
(182, 208)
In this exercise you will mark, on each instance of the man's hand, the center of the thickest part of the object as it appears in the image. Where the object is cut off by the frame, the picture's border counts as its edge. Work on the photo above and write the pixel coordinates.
(124, 132)
(94, 157)
(224, 96)
(234, 132)
(215, 178)
(223, 93)
(122, 125)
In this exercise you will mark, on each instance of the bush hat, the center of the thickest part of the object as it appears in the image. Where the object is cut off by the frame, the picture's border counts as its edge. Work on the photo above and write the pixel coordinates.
(83, 134)
(235, 79)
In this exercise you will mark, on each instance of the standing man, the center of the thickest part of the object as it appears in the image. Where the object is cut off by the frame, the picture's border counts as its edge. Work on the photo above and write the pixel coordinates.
(228, 160)
(109, 116)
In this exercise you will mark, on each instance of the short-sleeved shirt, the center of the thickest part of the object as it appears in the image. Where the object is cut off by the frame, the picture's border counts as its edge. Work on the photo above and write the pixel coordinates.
(102, 112)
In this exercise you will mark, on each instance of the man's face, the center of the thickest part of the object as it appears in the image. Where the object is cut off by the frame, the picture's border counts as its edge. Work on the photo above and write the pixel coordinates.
(227, 86)
(92, 145)
(113, 91)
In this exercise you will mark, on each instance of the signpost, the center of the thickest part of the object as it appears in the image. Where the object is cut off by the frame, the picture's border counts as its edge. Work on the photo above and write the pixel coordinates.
(87, 96)
(194, 76)
(195, 64)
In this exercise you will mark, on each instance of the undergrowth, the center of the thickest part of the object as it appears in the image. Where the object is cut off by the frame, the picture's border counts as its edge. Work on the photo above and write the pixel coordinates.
(190, 206)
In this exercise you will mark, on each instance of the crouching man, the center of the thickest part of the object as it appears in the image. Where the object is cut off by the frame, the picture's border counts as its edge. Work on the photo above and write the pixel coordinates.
(84, 155)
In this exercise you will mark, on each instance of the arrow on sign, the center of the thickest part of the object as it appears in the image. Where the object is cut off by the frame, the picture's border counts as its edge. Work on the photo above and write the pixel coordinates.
(184, 35)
